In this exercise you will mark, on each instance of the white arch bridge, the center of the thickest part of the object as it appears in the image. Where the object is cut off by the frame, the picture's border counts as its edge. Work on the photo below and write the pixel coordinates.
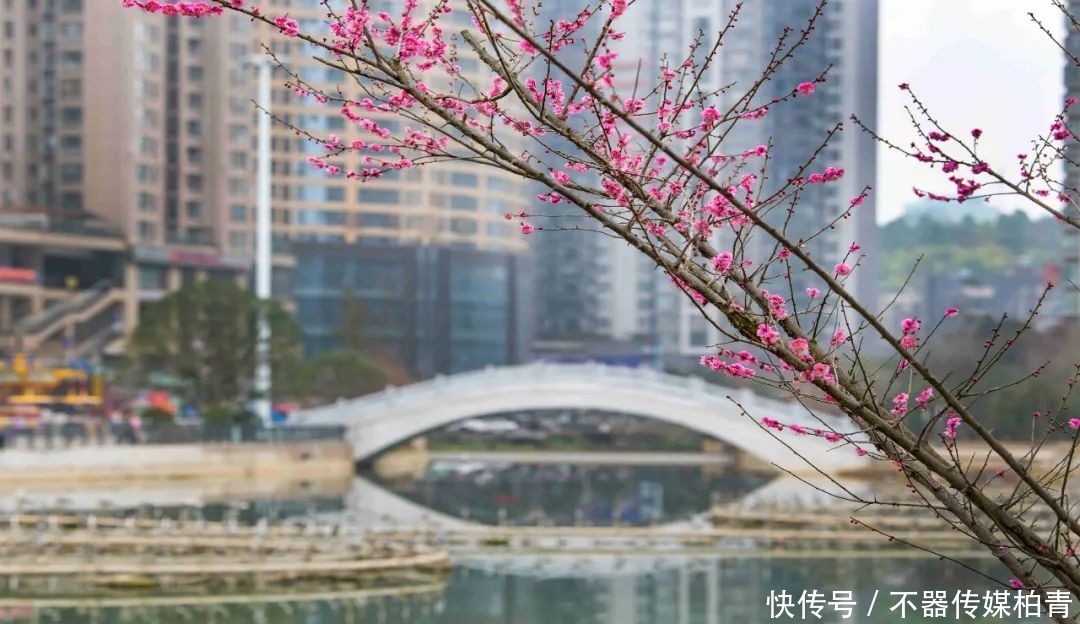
(378, 421)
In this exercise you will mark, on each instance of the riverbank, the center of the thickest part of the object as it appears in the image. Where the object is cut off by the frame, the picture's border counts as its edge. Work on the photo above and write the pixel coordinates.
(101, 465)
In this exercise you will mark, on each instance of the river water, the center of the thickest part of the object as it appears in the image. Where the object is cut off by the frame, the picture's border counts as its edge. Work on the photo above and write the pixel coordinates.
(645, 586)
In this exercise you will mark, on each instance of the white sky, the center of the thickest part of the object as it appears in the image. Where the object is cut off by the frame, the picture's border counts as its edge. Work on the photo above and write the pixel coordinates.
(976, 63)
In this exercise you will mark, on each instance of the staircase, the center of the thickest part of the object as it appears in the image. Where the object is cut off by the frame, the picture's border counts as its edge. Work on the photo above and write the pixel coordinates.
(79, 327)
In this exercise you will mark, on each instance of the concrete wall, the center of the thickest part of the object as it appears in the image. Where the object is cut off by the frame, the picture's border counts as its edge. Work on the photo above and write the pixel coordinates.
(314, 460)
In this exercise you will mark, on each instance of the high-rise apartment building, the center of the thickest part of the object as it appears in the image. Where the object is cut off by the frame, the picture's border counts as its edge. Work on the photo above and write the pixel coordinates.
(426, 253)
(147, 122)
(594, 287)
(455, 203)
(1068, 304)
(844, 41)
(140, 121)
(599, 287)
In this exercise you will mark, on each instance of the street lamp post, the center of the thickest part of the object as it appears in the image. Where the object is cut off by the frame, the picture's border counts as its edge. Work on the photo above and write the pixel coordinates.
(263, 267)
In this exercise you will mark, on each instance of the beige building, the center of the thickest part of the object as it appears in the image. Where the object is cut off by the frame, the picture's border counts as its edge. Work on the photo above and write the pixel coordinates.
(139, 121)
(442, 204)
(147, 122)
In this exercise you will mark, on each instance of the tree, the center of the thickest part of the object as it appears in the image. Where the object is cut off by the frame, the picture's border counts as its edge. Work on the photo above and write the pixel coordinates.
(205, 334)
(341, 374)
(656, 164)
(353, 319)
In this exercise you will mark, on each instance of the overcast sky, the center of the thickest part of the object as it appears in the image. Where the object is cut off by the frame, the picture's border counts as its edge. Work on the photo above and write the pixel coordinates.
(977, 63)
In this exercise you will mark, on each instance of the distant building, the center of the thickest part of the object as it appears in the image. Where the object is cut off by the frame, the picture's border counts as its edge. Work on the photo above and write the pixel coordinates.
(1068, 299)
(1011, 293)
(593, 288)
(845, 38)
(433, 310)
(629, 353)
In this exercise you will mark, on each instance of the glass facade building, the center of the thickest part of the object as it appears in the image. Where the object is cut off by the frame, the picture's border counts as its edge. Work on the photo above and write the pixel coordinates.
(433, 310)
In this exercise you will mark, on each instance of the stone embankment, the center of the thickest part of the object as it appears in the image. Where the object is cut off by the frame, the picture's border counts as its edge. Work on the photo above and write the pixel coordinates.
(103, 464)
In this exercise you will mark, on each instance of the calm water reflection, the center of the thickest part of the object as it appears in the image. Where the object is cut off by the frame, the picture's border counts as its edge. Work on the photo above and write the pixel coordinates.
(520, 588)
(564, 495)
(692, 591)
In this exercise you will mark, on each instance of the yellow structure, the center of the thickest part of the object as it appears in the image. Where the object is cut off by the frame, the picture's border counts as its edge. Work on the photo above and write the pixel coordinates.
(27, 387)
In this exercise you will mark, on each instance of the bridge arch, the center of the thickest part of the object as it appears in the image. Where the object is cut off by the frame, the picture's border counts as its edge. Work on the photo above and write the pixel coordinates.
(378, 421)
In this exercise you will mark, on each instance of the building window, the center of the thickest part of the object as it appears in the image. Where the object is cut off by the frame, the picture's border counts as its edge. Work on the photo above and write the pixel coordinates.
(147, 61)
(70, 31)
(238, 186)
(70, 87)
(496, 184)
(71, 201)
(238, 213)
(151, 277)
(194, 210)
(71, 116)
(377, 220)
(195, 73)
(147, 117)
(194, 182)
(313, 192)
(467, 180)
(71, 173)
(238, 241)
(145, 31)
(71, 59)
(194, 155)
(463, 226)
(71, 145)
(194, 127)
(147, 202)
(378, 196)
(148, 146)
(320, 217)
(463, 202)
(146, 173)
(147, 231)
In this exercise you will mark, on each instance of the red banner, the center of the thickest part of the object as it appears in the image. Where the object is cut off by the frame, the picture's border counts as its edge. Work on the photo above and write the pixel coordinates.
(23, 276)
